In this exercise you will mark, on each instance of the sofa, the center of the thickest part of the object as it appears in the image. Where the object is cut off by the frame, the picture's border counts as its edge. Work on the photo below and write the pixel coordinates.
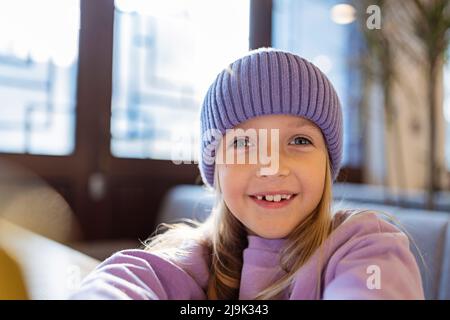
(430, 230)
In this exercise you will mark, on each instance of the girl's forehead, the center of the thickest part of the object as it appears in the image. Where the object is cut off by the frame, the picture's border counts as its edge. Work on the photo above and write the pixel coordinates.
(280, 121)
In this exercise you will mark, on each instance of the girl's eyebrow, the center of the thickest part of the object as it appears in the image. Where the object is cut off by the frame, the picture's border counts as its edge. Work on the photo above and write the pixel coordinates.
(301, 123)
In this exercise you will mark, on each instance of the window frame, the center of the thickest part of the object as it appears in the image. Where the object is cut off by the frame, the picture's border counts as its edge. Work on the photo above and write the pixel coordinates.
(150, 178)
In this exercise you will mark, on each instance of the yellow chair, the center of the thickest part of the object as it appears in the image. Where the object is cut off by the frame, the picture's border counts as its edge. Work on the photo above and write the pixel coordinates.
(12, 284)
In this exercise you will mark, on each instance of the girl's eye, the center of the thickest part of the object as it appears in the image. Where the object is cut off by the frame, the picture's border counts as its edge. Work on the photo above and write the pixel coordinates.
(301, 141)
(241, 142)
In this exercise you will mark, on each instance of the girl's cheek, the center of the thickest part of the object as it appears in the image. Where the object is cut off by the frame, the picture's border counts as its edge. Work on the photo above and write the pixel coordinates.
(233, 178)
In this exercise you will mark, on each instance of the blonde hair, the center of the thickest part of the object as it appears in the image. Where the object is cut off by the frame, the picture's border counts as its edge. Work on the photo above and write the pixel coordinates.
(231, 239)
(225, 238)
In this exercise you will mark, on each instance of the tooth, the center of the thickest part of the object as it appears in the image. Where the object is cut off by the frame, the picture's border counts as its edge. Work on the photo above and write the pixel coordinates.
(277, 198)
(259, 197)
(283, 196)
(269, 198)
(288, 196)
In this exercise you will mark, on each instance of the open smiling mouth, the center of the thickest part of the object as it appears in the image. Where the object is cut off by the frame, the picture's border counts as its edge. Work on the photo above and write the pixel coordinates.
(273, 201)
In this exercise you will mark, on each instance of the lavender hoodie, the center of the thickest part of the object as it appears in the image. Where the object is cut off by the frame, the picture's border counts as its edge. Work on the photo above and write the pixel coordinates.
(359, 247)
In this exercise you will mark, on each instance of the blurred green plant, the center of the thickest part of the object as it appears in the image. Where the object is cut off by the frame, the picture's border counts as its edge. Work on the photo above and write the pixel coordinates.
(421, 30)
(377, 66)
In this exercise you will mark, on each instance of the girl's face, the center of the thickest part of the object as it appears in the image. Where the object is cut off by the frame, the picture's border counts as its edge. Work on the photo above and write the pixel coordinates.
(300, 173)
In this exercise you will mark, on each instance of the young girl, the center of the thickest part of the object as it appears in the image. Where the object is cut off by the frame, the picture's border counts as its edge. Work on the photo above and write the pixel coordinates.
(272, 233)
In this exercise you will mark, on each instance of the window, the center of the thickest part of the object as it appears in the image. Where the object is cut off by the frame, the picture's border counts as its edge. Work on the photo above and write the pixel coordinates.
(38, 66)
(323, 34)
(165, 55)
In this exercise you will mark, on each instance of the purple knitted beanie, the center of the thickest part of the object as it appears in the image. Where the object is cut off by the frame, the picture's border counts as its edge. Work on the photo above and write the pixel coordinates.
(265, 82)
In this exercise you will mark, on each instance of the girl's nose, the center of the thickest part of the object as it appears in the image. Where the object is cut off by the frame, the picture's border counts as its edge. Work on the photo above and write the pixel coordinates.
(278, 166)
